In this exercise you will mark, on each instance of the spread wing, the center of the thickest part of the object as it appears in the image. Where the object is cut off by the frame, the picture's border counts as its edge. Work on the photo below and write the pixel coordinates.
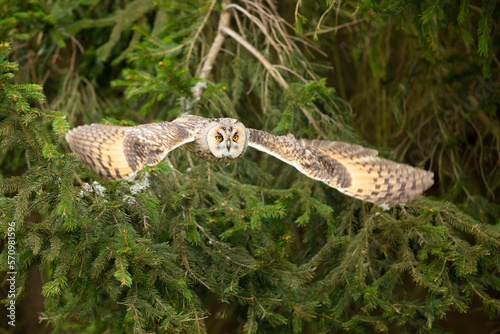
(352, 169)
(118, 151)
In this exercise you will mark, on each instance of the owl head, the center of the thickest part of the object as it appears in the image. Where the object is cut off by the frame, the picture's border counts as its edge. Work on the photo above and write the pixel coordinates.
(227, 138)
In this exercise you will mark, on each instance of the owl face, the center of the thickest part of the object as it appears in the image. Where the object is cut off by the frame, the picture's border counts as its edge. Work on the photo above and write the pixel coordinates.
(227, 139)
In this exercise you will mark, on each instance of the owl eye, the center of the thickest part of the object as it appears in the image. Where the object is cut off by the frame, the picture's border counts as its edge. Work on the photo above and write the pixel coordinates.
(218, 137)
(235, 137)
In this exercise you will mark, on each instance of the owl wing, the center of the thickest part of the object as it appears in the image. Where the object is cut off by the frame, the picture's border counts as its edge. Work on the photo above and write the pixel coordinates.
(118, 151)
(352, 169)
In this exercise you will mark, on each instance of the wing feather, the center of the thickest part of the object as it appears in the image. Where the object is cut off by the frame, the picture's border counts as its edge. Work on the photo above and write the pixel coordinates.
(116, 151)
(352, 169)
(309, 162)
(374, 179)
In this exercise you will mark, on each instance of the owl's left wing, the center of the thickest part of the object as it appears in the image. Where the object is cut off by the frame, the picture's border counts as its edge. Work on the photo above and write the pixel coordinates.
(352, 169)
(116, 152)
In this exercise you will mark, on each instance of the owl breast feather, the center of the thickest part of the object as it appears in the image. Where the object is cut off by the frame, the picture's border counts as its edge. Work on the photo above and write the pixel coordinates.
(204, 153)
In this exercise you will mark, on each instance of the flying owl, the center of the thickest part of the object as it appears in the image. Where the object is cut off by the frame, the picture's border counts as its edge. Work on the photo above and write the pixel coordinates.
(116, 152)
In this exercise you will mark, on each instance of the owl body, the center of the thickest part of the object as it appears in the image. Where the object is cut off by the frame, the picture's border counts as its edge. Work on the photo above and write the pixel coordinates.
(116, 152)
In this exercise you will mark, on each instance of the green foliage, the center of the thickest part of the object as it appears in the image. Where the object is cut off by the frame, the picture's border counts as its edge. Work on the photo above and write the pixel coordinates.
(435, 15)
(194, 247)
(437, 106)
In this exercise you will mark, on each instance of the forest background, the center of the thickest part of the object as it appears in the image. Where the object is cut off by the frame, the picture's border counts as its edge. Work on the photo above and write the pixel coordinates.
(254, 246)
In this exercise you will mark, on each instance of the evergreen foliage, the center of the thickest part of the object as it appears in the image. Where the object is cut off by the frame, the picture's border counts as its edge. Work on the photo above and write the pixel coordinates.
(252, 247)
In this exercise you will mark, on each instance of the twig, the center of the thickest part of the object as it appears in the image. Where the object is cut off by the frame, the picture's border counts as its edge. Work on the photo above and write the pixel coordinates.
(321, 20)
(185, 262)
(337, 14)
(324, 31)
(216, 45)
(223, 29)
(198, 32)
(269, 67)
(291, 71)
(299, 3)
(258, 23)
(271, 70)
(28, 162)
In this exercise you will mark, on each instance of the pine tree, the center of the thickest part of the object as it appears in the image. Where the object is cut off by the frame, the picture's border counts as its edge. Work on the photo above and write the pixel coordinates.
(193, 247)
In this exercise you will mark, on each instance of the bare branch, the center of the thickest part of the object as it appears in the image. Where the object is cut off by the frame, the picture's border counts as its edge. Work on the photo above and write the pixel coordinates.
(216, 45)
(258, 23)
(321, 20)
(269, 67)
(199, 30)
(271, 70)
(336, 28)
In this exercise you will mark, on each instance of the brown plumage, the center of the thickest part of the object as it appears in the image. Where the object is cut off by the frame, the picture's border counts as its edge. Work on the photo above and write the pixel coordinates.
(116, 152)
(374, 179)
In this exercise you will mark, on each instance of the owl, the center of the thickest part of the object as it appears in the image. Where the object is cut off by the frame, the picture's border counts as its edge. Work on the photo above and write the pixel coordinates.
(116, 152)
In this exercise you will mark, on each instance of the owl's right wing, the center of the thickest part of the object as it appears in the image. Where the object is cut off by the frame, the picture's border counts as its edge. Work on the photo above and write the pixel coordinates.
(352, 169)
(116, 152)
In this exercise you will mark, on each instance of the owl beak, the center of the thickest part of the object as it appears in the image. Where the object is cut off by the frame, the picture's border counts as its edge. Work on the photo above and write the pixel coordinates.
(228, 145)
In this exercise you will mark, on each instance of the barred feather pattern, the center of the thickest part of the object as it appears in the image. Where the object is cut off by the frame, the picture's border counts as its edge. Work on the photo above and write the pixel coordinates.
(116, 152)
(374, 179)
